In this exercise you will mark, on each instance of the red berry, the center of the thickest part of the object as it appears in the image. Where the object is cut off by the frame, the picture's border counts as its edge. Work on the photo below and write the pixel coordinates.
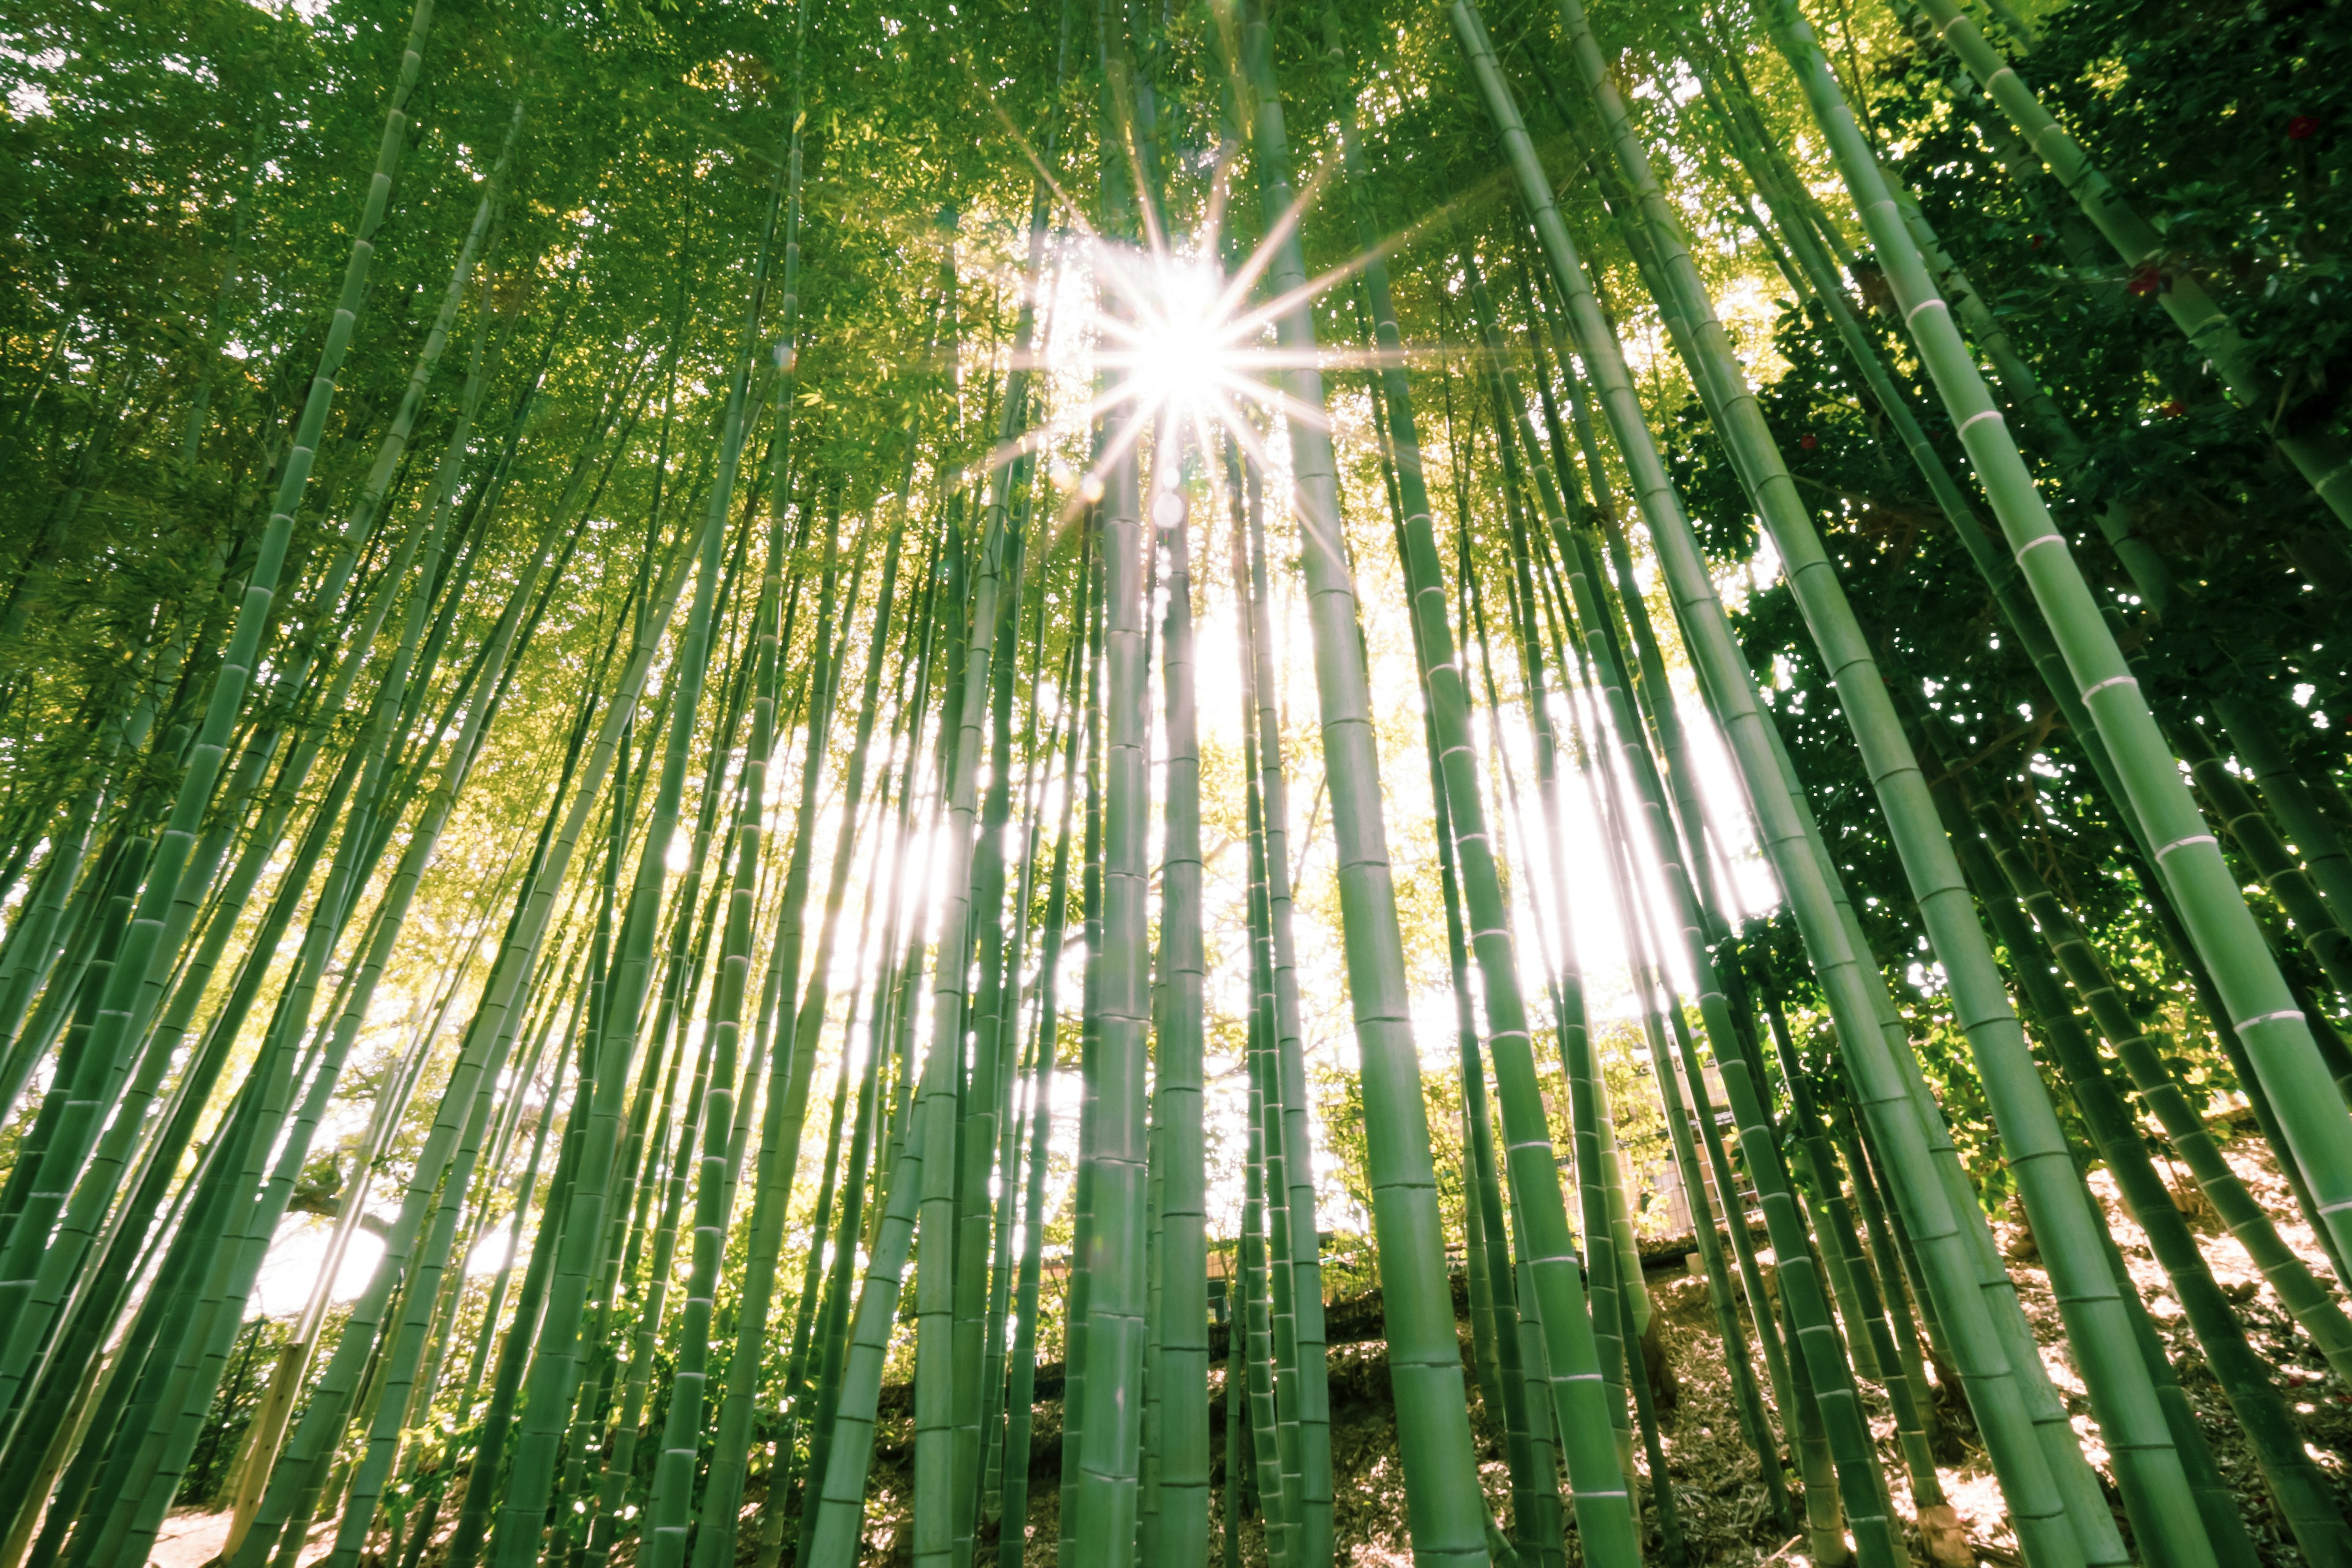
(2036, 239)
(2302, 128)
(1808, 443)
(2175, 409)
(2146, 280)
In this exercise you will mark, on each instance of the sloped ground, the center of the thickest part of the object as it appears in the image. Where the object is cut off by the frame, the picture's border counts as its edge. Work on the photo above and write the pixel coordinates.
(1719, 1493)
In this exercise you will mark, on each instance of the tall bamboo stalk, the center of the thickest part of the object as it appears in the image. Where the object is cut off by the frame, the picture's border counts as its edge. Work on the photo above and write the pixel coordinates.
(2263, 1011)
(1448, 1526)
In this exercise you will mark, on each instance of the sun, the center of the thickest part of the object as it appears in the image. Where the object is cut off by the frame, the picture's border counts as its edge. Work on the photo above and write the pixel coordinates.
(1178, 350)
(1180, 346)
(1173, 338)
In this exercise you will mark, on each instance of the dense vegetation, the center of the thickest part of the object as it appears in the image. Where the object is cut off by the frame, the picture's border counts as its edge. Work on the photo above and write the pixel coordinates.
(772, 777)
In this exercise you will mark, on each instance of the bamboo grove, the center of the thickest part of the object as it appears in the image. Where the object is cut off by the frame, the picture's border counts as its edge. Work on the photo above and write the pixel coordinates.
(780, 783)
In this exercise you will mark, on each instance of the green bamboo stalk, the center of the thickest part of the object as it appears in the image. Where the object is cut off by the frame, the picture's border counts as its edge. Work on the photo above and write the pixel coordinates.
(488, 1468)
(995, 1046)
(1653, 1449)
(1077, 1291)
(141, 952)
(2060, 1028)
(705, 1115)
(1183, 1307)
(1008, 1013)
(1256, 1258)
(947, 1454)
(1898, 1369)
(646, 1166)
(1284, 1210)
(1448, 1522)
(2028, 1488)
(1229, 1535)
(2022, 617)
(841, 1503)
(2142, 1051)
(2318, 456)
(1019, 1401)
(1275, 1498)
(1822, 1352)
(1520, 1342)
(783, 1136)
(2000, 572)
(2296, 1487)
(833, 1327)
(555, 1369)
(2089, 1517)
(2236, 811)
(2320, 846)
(398, 1369)
(1534, 1513)
(1825, 1392)
(2275, 1032)
(293, 1490)
(1568, 986)
(1813, 1455)
(792, 1053)
(783, 1477)
(671, 1498)
(2117, 1379)
(1898, 1268)
(156, 1464)
(1107, 1335)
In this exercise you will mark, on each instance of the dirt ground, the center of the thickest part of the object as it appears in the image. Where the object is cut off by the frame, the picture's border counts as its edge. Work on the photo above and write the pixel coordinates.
(1718, 1490)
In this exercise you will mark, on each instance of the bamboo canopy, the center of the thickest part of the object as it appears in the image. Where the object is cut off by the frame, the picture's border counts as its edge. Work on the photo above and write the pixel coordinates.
(1127, 786)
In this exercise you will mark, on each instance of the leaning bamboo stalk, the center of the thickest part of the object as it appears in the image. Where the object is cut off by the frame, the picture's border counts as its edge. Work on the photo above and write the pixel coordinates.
(554, 1369)
(2276, 1033)
(2141, 1052)
(315, 1434)
(1534, 1513)
(2099, 1327)
(1899, 1373)
(780, 1145)
(2093, 1526)
(1511, 413)
(1567, 983)
(1820, 1352)
(2029, 1486)
(832, 1326)
(2319, 455)
(2053, 1016)
(61, 1262)
(1517, 1307)
(128, 980)
(841, 1503)
(672, 1495)
(2316, 1522)
(155, 1465)
(489, 1443)
(994, 1046)
(196, 1363)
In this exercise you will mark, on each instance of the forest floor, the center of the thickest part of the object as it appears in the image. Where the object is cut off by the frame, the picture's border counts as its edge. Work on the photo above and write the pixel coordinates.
(1717, 1487)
